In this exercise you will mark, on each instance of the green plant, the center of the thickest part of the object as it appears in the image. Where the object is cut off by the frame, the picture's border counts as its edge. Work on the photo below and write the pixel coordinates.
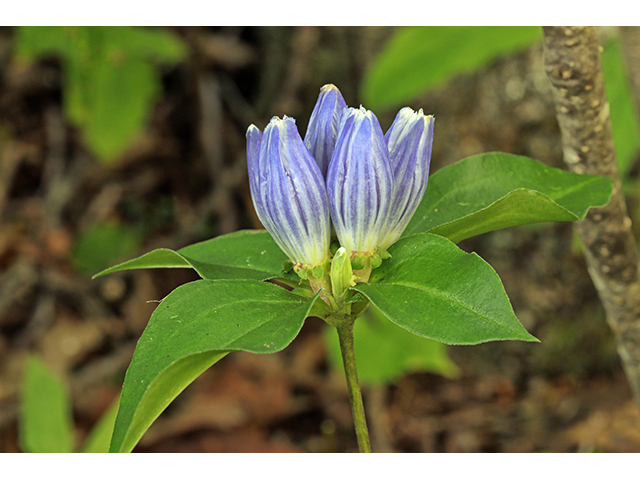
(421, 282)
(111, 78)
(46, 421)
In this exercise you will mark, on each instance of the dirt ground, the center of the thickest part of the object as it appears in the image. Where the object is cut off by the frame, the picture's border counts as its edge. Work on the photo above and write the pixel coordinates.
(185, 178)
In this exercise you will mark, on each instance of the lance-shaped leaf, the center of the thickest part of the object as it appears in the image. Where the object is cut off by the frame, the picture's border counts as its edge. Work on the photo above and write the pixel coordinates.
(419, 58)
(110, 77)
(100, 437)
(192, 328)
(497, 190)
(246, 254)
(46, 422)
(435, 290)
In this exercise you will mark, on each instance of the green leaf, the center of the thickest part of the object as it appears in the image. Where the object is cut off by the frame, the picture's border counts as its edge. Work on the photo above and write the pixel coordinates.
(122, 95)
(148, 44)
(100, 437)
(102, 245)
(497, 190)
(192, 328)
(419, 58)
(624, 118)
(110, 77)
(386, 352)
(435, 290)
(35, 42)
(46, 424)
(246, 254)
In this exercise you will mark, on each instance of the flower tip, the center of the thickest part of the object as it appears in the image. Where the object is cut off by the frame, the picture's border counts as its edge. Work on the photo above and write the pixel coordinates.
(276, 118)
(252, 130)
(407, 117)
(280, 123)
(328, 87)
(357, 115)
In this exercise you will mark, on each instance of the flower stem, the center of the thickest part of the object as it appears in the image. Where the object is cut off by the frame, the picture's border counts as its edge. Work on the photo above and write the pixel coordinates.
(345, 334)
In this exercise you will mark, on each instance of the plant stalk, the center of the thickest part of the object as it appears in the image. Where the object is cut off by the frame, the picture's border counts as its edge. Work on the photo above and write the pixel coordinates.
(345, 334)
(572, 62)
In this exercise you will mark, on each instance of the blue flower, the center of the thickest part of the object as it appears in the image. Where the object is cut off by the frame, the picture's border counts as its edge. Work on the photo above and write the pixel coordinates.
(409, 139)
(360, 181)
(323, 126)
(346, 177)
(288, 191)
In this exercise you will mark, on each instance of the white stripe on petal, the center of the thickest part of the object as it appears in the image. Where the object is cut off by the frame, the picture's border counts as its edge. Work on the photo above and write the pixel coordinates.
(359, 181)
(410, 139)
(292, 198)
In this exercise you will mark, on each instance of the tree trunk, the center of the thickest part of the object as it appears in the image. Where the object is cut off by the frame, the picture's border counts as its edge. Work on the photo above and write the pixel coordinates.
(572, 62)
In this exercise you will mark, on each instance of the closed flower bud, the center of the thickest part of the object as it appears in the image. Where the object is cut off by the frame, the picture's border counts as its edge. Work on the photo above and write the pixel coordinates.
(346, 179)
(341, 273)
(288, 191)
(323, 126)
(409, 139)
(359, 181)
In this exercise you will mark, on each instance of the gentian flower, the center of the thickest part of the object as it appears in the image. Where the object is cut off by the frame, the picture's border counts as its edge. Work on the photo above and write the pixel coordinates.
(410, 139)
(359, 181)
(288, 191)
(323, 126)
(347, 177)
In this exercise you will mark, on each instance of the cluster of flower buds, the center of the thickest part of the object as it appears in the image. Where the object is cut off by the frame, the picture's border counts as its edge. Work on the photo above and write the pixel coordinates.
(345, 179)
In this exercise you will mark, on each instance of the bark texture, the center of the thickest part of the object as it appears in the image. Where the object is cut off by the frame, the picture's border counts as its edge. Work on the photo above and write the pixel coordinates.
(572, 62)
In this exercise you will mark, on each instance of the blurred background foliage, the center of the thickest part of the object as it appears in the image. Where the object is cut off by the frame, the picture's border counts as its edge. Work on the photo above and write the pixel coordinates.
(111, 77)
(419, 58)
(115, 141)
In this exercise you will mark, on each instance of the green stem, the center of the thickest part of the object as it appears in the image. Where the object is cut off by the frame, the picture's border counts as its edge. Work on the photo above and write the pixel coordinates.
(345, 334)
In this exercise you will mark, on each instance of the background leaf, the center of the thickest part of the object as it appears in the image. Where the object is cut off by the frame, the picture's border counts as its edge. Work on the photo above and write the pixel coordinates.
(100, 437)
(624, 118)
(435, 290)
(419, 58)
(386, 352)
(111, 79)
(46, 424)
(246, 254)
(192, 328)
(122, 96)
(497, 190)
(102, 245)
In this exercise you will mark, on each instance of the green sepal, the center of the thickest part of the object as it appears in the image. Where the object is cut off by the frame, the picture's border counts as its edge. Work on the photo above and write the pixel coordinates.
(376, 261)
(355, 299)
(302, 272)
(317, 271)
(357, 262)
(287, 266)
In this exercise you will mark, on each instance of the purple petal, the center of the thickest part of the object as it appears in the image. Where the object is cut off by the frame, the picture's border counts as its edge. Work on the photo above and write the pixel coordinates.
(410, 140)
(323, 126)
(359, 181)
(288, 192)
